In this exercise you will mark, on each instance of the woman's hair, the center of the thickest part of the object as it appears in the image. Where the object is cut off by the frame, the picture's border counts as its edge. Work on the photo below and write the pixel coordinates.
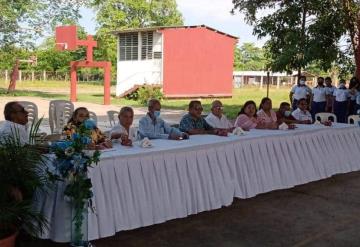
(75, 113)
(263, 101)
(247, 103)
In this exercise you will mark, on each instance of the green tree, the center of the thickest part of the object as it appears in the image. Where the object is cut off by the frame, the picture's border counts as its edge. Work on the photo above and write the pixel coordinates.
(121, 14)
(305, 32)
(249, 57)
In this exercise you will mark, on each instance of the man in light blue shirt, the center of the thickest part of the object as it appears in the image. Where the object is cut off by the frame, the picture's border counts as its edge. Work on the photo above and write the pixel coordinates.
(154, 127)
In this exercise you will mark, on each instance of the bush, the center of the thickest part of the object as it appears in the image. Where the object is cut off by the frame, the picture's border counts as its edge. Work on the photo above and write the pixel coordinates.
(148, 92)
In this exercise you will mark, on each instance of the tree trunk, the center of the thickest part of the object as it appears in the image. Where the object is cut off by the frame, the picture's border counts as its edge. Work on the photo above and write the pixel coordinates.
(357, 47)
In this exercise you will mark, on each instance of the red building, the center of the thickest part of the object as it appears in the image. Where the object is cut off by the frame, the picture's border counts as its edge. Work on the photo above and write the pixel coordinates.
(187, 61)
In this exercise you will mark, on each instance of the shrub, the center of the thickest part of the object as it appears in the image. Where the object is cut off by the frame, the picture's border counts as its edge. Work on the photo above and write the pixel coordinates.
(148, 92)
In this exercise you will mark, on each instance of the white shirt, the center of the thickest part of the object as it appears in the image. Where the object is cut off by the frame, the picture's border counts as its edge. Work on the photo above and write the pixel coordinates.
(219, 123)
(358, 99)
(301, 116)
(9, 129)
(300, 92)
(319, 94)
(121, 130)
(330, 90)
(341, 94)
(353, 94)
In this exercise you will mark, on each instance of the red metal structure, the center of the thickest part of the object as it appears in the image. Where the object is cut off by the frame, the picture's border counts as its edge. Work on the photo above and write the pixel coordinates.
(66, 39)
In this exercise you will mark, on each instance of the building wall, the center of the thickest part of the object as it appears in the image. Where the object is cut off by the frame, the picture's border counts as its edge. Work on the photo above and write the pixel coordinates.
(138, 72)
(198, 62)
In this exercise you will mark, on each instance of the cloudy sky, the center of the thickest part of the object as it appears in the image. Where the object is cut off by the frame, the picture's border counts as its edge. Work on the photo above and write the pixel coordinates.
(213, 13)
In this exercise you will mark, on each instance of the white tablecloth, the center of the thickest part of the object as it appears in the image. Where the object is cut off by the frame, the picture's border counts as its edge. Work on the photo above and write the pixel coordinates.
(135, 187)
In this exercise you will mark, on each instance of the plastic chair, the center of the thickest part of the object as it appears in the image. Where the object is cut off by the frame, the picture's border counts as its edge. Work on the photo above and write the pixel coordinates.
(32, 109)
(93, 117)
(353, 119)
(60, 111)
(112, 115)
(325, 116)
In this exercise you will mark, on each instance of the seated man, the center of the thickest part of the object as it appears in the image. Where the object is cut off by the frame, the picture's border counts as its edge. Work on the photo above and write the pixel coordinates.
(16, 118)
(283, 115)
(123, 129)
(217, 119)
(301, 114)
(153, 127)
(193, 123)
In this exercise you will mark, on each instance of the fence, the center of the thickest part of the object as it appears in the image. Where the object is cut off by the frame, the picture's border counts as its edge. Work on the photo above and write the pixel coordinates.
(82, 76)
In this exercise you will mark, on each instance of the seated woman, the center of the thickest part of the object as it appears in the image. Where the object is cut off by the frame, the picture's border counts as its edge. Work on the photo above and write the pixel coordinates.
(266, 113)
(78, 117)
(247, 118)
(123, 130)
(283, 115)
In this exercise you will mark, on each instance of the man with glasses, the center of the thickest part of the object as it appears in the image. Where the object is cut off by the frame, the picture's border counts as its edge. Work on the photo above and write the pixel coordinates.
(217, 119)
(194, 124)
(16, 118)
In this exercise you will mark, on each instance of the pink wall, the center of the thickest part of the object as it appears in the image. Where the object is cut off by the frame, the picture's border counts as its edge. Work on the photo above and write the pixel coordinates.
(197, 62)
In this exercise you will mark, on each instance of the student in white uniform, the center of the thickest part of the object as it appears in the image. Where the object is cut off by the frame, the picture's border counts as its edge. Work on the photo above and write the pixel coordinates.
(318, 98)
(301, 114)
(341, 102)
(299, 91)
(329, 94)
(353, 91)
(217, 119)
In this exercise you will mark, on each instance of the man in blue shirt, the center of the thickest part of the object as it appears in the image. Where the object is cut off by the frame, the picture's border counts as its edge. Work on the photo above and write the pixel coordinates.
(154, 127)
(193, 123)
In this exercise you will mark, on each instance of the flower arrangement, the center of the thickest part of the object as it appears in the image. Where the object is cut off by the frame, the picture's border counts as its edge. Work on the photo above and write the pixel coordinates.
(73, 159)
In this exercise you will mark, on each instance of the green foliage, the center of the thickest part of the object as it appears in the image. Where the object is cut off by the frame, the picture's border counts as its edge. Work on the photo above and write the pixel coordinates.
(23, 21)
(146, 93)
(300, 32)
(121, 14)
(22, 168)
(249, 57)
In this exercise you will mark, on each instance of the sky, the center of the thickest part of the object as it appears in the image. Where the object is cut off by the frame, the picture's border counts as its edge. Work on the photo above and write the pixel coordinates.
(213, 13)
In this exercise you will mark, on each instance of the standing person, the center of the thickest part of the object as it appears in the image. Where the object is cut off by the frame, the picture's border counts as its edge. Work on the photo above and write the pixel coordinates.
(341, 102)
(329, 88)
(318, 98)
(353, 91)
(266, 113)
(216, 117)
(299, 91)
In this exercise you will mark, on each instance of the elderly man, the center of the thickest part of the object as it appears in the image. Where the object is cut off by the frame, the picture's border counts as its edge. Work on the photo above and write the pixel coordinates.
(193, 123)
(154, 127)
(16, 118)
(217, 119)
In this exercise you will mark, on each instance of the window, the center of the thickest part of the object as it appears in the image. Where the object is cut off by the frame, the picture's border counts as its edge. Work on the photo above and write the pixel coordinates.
(157, 54)
(128, 44)
(146, 45)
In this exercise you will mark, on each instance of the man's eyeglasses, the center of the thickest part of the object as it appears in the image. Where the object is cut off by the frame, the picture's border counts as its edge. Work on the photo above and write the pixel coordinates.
(198, 108)
(218, 107)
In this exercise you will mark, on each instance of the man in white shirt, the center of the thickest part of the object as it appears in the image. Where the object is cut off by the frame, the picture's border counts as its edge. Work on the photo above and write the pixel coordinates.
(301, 114)
(217, 119)
(124, 130)
(16, 118)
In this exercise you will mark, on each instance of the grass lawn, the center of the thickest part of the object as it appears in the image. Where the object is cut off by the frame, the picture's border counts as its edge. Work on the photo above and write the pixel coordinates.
(94, 94)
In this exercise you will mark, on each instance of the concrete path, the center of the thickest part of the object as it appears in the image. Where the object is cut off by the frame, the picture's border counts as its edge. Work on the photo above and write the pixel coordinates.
(324, 213)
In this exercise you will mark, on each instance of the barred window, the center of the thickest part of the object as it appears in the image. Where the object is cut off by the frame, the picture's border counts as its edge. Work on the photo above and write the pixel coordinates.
(128, 44)
(146, 45)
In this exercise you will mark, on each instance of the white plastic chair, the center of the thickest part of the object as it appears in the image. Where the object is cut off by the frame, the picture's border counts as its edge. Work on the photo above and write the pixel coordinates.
(325, 116)
(93, 117)
(353, 119)
(60, 111)
(32, 109)
(112, 115)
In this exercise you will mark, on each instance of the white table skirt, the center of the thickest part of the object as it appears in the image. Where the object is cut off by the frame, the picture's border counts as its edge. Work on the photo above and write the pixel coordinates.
(136, 187)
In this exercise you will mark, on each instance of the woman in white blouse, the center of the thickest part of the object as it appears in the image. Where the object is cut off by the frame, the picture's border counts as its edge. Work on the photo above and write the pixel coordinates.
(299, 91)
(123, 129)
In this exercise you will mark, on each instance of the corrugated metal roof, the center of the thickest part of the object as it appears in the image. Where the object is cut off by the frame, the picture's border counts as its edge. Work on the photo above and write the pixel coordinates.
(146, 29)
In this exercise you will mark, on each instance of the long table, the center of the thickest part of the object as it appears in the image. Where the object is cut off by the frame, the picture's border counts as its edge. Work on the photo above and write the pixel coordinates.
(135, 187)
